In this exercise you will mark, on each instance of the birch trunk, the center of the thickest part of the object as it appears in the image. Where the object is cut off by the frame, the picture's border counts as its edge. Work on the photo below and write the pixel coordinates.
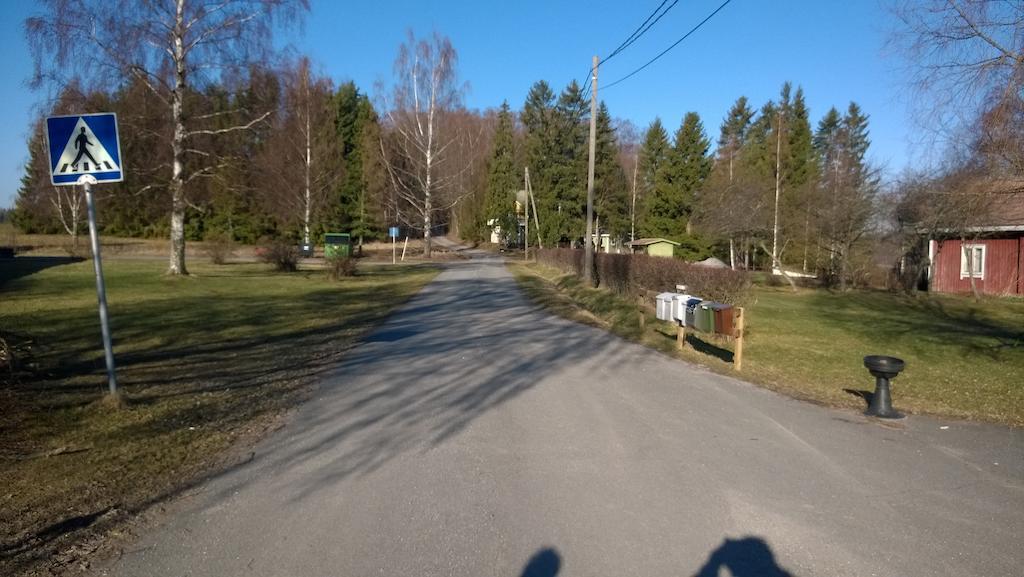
(177, 258)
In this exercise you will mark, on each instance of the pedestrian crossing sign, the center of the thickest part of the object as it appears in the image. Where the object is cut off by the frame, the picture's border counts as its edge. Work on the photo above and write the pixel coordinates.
(83, 145)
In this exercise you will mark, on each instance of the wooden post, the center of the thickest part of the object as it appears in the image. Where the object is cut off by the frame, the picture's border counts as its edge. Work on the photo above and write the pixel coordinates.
(588, 252)
(640, 311)
(680, 336)
(526, 207)
(737, 358)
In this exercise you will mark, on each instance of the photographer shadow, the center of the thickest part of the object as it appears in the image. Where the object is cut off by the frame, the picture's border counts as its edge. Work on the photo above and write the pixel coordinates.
(746, 557)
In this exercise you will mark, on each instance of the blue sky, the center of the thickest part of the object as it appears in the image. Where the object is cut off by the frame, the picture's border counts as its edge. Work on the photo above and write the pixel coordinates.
(834, 49)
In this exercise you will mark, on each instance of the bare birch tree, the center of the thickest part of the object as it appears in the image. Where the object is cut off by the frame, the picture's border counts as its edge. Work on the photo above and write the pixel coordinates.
(965, 61)
(299, 165)
(173, 46)
(422, 137)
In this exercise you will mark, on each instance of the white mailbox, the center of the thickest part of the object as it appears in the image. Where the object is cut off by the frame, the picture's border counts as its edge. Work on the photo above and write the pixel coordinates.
(663, 306)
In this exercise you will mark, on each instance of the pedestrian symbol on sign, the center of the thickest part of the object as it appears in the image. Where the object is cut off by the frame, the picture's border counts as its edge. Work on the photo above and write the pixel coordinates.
(81, 143)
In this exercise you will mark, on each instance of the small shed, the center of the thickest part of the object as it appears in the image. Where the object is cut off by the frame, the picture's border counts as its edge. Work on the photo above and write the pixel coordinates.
(992, 252)
(653, 246)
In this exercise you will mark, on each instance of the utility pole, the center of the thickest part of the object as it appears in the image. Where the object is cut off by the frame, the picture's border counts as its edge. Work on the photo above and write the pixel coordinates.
(588, 254)
(526, 207)
(533, 203)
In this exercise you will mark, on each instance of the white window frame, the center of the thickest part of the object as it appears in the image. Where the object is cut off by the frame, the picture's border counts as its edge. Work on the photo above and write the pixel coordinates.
(979, 266)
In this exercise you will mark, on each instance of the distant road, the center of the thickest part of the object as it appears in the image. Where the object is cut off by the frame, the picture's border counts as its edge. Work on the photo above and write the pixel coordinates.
(475, 435)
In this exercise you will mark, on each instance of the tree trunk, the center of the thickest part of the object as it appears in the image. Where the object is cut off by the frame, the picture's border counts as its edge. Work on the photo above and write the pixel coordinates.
(778, 192)
(177, 259)
(309, 167)
(426, 226)
(632, 208)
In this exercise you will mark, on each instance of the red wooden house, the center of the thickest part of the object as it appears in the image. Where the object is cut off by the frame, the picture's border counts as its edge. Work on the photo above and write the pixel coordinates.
(992, 253)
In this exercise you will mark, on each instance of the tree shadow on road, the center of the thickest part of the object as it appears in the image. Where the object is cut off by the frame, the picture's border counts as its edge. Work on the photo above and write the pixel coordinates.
(460, 348)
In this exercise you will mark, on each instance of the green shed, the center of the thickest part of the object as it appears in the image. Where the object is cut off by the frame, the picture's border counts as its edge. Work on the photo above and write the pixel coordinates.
(653, 246)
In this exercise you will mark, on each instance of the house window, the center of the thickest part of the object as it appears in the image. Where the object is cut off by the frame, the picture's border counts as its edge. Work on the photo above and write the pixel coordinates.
(972, 261)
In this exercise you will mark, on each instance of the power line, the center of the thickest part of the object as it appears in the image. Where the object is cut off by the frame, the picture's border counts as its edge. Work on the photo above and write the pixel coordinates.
(674, 44)
(641, 30)
(622, 46)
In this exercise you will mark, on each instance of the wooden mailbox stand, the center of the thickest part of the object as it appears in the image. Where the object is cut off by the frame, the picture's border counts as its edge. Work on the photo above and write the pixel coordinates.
(737, 334)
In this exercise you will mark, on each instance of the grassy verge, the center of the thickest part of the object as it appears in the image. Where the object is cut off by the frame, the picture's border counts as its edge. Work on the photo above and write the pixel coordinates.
(965, 359)
(203, 362)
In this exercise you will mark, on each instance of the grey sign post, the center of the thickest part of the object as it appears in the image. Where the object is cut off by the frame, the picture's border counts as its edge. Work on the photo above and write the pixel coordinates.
(84, 150)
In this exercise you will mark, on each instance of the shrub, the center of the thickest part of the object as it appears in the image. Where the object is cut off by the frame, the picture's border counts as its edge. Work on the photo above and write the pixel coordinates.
(282, 254)
(636, 274)
(220, 248)
(340, 266)
(567, 260)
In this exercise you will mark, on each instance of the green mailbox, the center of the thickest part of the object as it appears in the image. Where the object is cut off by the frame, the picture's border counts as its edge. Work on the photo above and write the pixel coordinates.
(704, 317)
(337, 244)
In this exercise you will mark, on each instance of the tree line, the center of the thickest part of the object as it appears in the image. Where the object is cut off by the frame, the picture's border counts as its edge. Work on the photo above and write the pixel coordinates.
(259, 150)
(772, 186)
(307, 168)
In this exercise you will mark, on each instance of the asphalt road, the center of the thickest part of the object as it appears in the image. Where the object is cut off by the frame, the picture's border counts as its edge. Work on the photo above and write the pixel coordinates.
(475, 435)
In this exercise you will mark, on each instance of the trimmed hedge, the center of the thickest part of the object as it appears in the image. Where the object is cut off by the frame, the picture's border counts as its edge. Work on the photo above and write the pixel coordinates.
(637, 274)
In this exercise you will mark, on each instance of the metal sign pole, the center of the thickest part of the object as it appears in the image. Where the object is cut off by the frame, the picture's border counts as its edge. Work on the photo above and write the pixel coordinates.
(101, 289)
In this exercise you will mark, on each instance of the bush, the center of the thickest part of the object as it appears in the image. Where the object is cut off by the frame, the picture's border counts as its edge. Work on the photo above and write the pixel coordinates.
(340, 266)
(634, 274)
(220, 248)
(567, 260)
(282, 254)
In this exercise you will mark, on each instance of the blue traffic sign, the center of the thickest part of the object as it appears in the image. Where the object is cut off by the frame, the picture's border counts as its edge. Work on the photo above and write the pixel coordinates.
(393, 232)
(84, 145)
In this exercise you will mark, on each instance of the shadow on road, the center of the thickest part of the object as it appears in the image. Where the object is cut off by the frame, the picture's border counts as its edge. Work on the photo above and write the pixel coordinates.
(424, 376)
(544, 563)
(746, 557)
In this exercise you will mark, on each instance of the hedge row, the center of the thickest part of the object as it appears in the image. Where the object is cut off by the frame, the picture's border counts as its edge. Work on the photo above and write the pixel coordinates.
(636, 274)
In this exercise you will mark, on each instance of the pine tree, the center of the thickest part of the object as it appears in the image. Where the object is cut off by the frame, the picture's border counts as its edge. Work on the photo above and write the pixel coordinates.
(503, 177)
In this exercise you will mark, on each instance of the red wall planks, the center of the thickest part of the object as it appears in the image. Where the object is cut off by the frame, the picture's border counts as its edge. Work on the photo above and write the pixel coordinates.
(1004, 260)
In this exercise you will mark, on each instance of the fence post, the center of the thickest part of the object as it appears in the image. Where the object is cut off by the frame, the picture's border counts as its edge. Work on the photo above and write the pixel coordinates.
(737, 358)
(640, 312)
(680, 336)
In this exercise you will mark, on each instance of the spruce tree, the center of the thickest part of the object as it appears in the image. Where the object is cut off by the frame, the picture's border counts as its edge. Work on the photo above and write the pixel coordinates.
(733, 134)
(503, 179)
(611, 197)
(848, 187)
(355, 124)
(678, 184)
(653, 154)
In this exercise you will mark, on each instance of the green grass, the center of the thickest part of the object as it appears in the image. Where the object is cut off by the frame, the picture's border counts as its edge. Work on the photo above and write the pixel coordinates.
(965, 358)
(202, 361)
